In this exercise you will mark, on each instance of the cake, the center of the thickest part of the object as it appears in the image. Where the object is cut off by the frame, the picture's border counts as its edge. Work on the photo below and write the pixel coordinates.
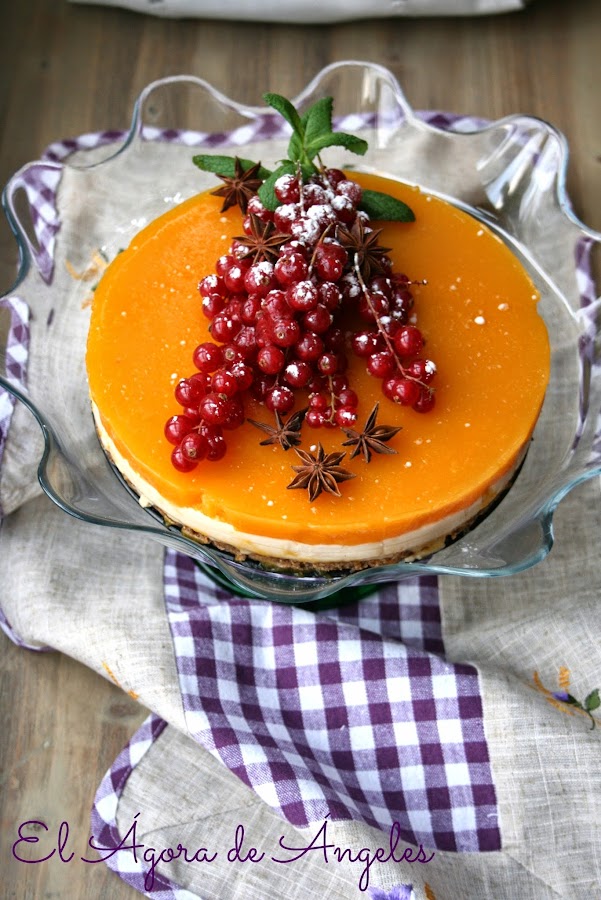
(349, 464)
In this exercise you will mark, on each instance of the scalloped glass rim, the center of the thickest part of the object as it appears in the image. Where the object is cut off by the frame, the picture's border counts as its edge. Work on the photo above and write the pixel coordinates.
(511, 174)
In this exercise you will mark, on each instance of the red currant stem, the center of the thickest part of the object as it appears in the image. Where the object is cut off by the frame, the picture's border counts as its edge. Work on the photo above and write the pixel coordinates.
(387, 341)
(322, 171)
(322, 237)
(332, 399)
(299, 175)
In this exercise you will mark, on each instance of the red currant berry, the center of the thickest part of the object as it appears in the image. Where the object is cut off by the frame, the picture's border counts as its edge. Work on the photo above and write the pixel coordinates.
(234, 278)
(243, 374)
(250, 309)
(208, 356)
(287, 189)
(350, 189)
(291, 268)
(256, 208)
(260, 278)
(177, 427)
(233, 309)
(224, 263)
(345, 417)
(276, 305)
(382, 284)
(345, 209)
(310, 347)
(213, 409)
(194, 446)
(285, 332)
(212, 305)
(335, 176)
(270, 359)
(189, 393)
(381, 364)
(405, 392)
(315, 418)
(327, 364)
(330, 261)
(313, 194)
(223, 382)
(373, 306)
(212, 284)
(216, 446)
(319, 401)
(246, 343)
(263, 330)
(318, 320)
(279, 399)
(349, 398)
(408, 341)
(423, 370)
(330, 295)
(224, 329)
(182, 463)
(425, 402)
(302, 296)
(298, 373)
(284, 217)
(365, 343)
(191, 412)
(293, 246)
(231, 353)
(260, 385)
(338, 383)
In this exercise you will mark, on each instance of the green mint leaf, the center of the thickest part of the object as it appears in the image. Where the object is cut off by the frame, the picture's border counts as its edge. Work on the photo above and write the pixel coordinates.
(382, 206)
(318, 119)
(337, 139)
(225, 165)
(593, 701)
(266, 192)
(287, 110)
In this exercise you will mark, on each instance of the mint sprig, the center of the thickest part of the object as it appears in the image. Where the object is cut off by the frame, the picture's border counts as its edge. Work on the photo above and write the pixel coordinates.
(311, 134)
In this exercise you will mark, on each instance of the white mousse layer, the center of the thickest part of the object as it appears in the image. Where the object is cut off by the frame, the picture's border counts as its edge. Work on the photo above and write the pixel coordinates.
(410, 542)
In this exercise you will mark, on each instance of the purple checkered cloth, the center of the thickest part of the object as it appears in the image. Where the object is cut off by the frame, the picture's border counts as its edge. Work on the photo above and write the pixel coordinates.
(342, 713)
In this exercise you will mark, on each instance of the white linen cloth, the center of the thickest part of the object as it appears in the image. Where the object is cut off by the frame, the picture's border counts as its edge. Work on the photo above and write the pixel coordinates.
(312, 11)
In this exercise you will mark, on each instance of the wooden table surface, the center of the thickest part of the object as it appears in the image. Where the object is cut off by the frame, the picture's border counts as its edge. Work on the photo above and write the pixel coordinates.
(69, 69)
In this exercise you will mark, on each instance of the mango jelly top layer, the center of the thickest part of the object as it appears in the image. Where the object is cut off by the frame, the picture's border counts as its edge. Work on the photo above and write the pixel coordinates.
(477, 312)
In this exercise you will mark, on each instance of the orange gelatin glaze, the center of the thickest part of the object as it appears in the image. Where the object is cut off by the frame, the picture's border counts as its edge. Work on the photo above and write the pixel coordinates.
(477, 312)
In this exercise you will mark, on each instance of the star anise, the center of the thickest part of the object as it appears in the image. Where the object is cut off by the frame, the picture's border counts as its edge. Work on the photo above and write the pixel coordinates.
(320, 472)
(363, 248)
(372, 439)
(239, 189)
(264, 240)
(287, 434)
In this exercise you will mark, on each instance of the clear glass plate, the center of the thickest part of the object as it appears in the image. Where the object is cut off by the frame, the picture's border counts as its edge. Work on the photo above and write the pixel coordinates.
(510, 174)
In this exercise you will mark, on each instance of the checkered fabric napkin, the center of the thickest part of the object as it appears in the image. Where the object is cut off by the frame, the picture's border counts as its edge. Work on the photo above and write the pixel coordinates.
(343, 712)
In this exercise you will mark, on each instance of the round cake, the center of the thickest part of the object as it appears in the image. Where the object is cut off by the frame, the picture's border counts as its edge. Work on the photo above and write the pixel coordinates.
(395, 475)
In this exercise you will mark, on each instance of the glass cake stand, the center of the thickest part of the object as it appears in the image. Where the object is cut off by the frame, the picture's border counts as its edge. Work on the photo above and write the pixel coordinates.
(510, 174)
